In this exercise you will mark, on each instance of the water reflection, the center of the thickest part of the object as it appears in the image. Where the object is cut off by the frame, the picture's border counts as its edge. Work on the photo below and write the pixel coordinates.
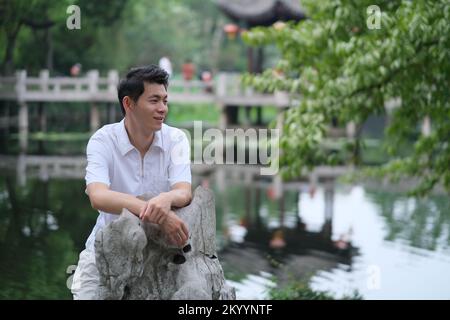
(41, 230)
(405, 219)
(381, 243)
(263, 234)
(390, 265)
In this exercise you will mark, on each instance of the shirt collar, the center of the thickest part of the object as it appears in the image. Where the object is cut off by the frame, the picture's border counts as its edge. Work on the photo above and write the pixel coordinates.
(125, 145)
(157, 139)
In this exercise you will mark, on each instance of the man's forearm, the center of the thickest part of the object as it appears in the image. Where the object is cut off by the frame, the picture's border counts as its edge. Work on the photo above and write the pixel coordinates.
(113, 202)
(178, 197)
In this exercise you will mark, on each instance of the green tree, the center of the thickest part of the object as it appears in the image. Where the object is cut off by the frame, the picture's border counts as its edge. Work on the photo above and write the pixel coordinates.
(15, 15)
(29, 29)
(344, 70)
(114, 34)
(151, 29)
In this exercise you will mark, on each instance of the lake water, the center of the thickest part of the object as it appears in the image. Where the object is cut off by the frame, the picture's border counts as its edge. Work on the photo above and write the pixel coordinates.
(371, 239)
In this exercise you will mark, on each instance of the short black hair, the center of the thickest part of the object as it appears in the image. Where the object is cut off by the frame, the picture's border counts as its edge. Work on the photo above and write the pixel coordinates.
(133, 84)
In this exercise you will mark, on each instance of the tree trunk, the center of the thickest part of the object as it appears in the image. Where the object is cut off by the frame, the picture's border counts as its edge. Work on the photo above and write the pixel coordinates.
(49, 41)
(216, 42)
(135, 262)
(8, 62)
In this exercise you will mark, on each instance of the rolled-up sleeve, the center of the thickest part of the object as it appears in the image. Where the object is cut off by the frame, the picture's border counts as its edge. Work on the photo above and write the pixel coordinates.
(98, 161)
(180, 160)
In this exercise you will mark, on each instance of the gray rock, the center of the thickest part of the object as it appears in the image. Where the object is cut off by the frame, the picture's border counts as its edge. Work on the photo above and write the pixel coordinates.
(135, 261)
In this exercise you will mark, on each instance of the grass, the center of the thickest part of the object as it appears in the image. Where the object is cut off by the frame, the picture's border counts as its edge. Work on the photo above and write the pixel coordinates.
(233, 275)
(210, 113)
(268, 114)
(300, 290)
(57, 136)
(179, 114)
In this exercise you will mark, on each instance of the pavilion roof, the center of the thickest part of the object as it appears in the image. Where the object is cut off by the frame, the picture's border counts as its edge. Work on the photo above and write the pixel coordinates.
(261, 12)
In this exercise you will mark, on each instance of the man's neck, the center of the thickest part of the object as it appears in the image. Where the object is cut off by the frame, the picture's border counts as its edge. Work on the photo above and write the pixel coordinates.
(138, 138)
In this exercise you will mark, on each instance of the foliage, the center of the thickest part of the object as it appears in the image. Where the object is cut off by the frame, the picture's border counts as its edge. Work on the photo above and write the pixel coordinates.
(343, 70)
(299, 290)
(114, 34)
(31, 26)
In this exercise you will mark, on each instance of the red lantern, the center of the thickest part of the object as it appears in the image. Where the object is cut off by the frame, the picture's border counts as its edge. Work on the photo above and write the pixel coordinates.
(231, 30)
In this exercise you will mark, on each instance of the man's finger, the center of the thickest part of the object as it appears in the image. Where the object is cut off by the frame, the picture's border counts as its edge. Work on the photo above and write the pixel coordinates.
(182, 230)
(185, 229)
(183, 238)
(180, 241)
(158, 215)
(151, 213)
(182, 234)
(175, 239)
(162, 218)
(141, 214)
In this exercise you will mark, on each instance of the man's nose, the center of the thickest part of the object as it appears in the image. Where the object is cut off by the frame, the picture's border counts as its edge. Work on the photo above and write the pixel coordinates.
(162, 108)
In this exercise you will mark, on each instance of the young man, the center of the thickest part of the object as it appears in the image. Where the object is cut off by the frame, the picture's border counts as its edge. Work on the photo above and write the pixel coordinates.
(140, 154)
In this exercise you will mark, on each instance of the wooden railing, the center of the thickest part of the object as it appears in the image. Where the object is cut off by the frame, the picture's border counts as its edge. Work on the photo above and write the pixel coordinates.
(225, 89)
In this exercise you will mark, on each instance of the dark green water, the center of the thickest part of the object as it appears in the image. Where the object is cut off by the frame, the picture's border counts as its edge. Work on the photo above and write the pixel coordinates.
(401, 244)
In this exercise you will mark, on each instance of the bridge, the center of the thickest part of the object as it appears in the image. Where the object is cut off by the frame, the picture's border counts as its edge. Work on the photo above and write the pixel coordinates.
(226, 89)
(225, 92)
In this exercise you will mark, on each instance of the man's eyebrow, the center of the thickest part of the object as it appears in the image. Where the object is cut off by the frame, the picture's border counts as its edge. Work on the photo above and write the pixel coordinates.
(158, 96)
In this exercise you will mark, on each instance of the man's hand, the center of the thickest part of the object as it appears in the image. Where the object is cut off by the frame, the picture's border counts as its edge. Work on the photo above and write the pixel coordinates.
(175, 230)
(156, 209)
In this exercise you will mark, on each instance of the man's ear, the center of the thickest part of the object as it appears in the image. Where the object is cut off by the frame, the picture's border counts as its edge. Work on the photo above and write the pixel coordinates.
(127, 103)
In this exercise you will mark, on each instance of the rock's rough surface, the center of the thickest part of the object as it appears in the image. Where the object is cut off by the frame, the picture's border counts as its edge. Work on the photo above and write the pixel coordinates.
(134, 261)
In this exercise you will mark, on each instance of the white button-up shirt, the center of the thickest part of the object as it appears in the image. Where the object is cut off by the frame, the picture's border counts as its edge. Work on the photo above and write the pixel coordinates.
(114, 161)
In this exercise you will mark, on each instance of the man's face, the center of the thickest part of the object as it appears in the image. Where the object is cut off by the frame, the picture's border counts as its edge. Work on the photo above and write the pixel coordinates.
(151, 107)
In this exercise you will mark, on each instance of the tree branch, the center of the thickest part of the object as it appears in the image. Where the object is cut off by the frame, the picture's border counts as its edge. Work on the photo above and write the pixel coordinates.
(393, 73)
(38, 24)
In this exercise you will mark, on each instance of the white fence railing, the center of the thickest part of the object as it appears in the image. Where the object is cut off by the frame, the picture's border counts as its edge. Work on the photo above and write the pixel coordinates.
(226, 88)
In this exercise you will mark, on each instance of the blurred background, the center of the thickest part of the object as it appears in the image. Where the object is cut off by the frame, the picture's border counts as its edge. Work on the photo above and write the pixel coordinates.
(360, 208)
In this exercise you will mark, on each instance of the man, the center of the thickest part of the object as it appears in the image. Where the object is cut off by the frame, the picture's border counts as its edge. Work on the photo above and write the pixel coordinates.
(140, 154)
(166, 65)
(188, 70)
(75, 70)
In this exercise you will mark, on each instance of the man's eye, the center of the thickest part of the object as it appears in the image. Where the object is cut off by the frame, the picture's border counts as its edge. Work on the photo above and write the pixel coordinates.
(165, 101)
(153, 101)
